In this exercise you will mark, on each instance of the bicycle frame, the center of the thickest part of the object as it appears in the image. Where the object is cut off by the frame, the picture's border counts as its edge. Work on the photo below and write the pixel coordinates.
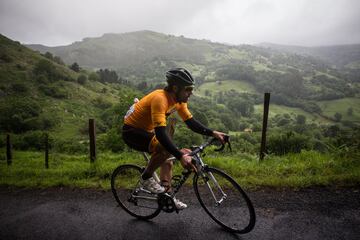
(200, 166)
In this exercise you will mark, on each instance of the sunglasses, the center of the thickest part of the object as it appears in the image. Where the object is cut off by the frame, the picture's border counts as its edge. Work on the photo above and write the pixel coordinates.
(189, 88)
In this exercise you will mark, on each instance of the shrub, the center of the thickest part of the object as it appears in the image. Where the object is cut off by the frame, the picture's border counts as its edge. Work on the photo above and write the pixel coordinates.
(75, 67)
(42, 79)
(337, 116)
(102, 103)
(47, 68)
(112, 140)
(82, 79)
(31, 140)
(94, 77)
(6, 58)
(19, 87)
(53, 91)
(17, 113)
(290, 142)
(70, 146)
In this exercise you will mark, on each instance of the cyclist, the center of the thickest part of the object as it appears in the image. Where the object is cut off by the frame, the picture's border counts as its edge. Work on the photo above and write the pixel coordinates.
(145, 129)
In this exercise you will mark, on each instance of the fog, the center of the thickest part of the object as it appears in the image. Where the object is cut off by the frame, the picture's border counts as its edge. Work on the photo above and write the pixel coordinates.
(300, 22)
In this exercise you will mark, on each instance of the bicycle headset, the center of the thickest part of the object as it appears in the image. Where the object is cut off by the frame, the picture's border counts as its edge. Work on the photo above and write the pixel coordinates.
(180, 77)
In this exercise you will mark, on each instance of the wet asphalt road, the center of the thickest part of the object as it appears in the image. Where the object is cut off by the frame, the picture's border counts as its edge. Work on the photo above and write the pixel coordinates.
(63, 213)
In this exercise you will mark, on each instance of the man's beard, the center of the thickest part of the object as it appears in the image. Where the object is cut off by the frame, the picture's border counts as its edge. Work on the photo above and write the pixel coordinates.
(177, 96)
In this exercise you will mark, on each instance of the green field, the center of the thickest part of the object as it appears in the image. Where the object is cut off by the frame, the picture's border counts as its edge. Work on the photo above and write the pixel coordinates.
(226, 85)
(275, 109)
(341, 106)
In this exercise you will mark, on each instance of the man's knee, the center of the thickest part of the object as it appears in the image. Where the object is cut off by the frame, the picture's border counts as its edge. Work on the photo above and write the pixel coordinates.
(168, 164)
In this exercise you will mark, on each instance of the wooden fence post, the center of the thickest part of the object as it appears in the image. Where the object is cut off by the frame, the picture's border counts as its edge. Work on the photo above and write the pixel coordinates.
(8, 150)
(46, 150)
(92, 140)
(264, 127)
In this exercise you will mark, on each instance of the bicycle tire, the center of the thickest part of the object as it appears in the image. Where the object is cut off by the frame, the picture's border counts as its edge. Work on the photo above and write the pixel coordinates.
(235, 213)
(125, 187)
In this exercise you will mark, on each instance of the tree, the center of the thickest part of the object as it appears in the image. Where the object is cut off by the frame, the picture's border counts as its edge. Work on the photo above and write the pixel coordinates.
(82, 79)
(107, 75)
(300, 119)
(338, 117)
(46, 68)
(48, 55)
(59, 60)
(94, 77)
(75, 67)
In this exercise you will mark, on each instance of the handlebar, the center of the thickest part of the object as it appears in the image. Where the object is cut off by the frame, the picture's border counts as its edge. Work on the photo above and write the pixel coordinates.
(203, 146)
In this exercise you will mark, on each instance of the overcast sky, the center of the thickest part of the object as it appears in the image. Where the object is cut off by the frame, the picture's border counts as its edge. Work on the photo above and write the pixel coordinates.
(294, 22)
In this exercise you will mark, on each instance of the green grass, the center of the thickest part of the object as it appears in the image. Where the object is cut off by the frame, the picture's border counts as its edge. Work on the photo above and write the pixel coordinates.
(261, 67)
(279, 109)
(294, 170)
(227, 85)
(341, 106)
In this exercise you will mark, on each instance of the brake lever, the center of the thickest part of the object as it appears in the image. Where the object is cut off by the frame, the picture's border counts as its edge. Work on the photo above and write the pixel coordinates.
(227, 140)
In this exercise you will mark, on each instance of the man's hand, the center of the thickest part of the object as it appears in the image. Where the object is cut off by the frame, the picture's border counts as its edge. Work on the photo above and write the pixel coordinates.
(220, 136)
(186, 159)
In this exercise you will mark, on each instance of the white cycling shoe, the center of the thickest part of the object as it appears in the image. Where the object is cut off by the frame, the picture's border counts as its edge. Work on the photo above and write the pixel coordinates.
(152, 185)
(179, 205)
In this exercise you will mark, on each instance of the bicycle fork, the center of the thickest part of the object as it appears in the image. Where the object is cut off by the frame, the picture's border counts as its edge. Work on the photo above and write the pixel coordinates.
(224, 195)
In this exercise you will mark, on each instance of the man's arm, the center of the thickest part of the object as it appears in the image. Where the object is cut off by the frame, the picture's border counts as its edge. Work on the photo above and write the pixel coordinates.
(197, 127)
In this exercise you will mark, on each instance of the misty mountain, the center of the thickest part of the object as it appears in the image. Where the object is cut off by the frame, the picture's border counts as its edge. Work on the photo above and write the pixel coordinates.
(338, 55)
(144, 56)
(128, 49)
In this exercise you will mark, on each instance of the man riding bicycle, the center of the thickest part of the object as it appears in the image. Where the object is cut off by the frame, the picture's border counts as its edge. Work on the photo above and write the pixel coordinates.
(145, 129)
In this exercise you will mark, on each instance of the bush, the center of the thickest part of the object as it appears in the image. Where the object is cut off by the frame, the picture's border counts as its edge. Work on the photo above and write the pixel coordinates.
(82, 79)
(19, 88)
(290, 142)
(53, 91)
(112, 140)
(6, 58)
(31, 140)
(47, 68)
(94, 77)
(71, 146)
(17, 114)
(75, 67)
(102, 103)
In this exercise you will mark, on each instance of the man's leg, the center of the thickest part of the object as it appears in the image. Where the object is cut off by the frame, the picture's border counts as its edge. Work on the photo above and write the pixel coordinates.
(166, 174)
(156, 160)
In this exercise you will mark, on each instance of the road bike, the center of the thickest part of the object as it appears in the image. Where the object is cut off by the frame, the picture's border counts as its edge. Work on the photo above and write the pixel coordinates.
(218, 193)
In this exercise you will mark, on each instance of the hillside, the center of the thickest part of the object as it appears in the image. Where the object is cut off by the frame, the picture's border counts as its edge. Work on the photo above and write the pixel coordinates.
(38, 94)
(311, 101)
(144, 56)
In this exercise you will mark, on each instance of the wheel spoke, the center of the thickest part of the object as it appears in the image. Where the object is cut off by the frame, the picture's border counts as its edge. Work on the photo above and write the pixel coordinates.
(135, 201)
(224, 200)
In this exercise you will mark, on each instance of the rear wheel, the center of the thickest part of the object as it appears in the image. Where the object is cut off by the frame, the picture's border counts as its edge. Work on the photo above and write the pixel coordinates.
(224, 200)
(125, 185)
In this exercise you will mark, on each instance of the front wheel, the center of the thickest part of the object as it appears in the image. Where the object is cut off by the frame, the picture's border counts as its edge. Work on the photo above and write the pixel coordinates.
(125, 185)
(224, 200)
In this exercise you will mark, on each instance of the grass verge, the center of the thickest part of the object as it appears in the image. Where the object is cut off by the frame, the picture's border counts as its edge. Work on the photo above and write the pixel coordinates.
(290, 171)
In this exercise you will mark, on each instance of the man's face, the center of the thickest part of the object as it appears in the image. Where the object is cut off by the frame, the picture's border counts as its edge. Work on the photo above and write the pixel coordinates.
(184, 93)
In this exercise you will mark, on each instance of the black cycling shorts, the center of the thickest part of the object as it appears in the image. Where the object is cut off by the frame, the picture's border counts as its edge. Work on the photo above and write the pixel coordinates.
(136, 138)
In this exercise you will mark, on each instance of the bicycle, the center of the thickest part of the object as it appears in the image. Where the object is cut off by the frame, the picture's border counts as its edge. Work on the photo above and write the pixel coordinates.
(218, 193)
